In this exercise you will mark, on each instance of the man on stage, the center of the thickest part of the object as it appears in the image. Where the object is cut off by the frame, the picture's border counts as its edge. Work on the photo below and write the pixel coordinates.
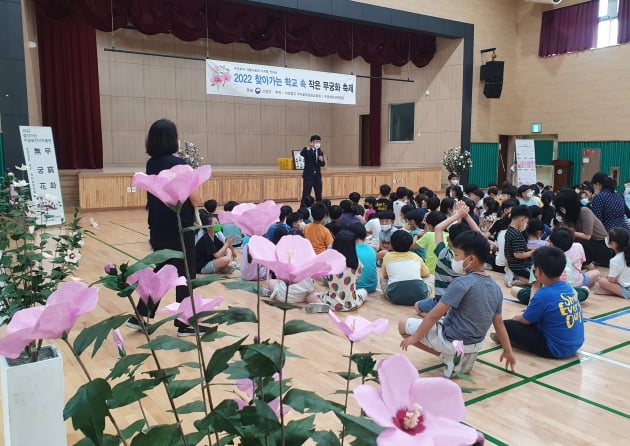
(313, 162)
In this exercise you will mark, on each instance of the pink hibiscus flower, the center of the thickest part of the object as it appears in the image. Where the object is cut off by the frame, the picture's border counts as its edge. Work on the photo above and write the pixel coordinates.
(293, 259)
(415, 411)
(357, 328)
(252, 219)
(173, 186)
(153, 286)
(185, 307)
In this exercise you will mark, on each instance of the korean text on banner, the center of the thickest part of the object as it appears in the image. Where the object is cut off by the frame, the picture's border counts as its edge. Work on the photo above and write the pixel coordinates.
(269, 82)
(43, 176)
(525, 161)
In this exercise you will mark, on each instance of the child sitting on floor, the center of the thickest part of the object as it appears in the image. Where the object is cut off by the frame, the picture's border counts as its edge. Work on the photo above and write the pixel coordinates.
(551, 326)
(469, 306)
(343, 294)
(386, 219)
(517, 254)
(618, 281)
(211, 255)
(403, 272)
(535, 230)
(427, 241)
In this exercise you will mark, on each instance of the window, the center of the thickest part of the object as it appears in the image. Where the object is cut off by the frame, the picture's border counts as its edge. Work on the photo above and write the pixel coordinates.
(608, 23)
(401, 119)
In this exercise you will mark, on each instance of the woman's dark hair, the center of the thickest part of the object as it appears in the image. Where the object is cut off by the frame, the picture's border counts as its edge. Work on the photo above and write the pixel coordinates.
(446, 204)
(609, 184)
(492, 205)
(345, 244)
(162, 138)
(622, 238)
(284, 212)
(567, 204)
(546, 198)
(459, 193)
(598, 178)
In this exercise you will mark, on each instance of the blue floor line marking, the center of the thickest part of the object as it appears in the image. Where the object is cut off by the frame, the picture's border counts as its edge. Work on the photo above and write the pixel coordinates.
(605, 324)
(507, 299)
(612, 316)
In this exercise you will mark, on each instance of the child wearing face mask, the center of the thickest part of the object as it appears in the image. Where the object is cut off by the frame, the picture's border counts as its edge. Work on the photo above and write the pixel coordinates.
(526, 196)
(517, 254)
(626, 192)
(385, 235)
(296, 223)
(618, 281)
(453, 180)
(470, 304)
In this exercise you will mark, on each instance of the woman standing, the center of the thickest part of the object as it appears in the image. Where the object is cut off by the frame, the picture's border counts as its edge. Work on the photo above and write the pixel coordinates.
(608, 205)
(161, 144)
(589, 230)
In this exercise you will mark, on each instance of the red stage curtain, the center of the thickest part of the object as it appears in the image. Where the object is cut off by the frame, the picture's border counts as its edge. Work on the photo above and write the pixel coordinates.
(70, 93)
(376, 93)
(261, 28)
(624, 21)
(569, 29)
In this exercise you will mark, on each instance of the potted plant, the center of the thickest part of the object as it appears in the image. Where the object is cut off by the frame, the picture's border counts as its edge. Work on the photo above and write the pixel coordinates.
(456, 160)
(34, 261)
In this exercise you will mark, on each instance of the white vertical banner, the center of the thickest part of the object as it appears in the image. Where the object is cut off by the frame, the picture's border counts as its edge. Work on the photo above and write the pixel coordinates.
(43, 176)
(269, 82)
(525, 161)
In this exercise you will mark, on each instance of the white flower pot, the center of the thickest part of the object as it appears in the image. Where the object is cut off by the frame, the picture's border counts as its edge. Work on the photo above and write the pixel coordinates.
(33, 402)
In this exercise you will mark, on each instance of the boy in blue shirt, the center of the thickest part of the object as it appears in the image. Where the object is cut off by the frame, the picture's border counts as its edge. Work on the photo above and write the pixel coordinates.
(367, 257)
(551, 326)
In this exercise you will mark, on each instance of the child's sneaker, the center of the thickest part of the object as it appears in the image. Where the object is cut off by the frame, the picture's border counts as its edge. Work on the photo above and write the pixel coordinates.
(317, 308)
(264, 292)
(134, 323)
(188, 330)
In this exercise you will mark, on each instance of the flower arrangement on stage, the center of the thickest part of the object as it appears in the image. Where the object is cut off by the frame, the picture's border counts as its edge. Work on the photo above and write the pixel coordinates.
(456, 160)
(34, 260)
(406, 410)
(190, 154)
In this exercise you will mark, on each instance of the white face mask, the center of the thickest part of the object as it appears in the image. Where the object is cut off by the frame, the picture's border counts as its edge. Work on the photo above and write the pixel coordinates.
(627, 190)
(317, 145)
(458, 267)
(301, 225)
(454, 182)
(530, 194)
(606, 241)
(386, 228)
(559, 218)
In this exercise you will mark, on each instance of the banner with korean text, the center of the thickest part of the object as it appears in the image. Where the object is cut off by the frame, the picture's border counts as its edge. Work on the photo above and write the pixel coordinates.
(525, 161)
(269, 82)
(43, 176)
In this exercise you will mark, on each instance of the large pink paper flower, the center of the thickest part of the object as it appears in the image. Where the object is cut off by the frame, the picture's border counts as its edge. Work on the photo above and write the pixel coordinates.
(357, 328)
(173, 186)
(153, 286)
(416, 411)
(247, 387)
(293, 259)
(52, 321)
(252, 219)
(185, 307)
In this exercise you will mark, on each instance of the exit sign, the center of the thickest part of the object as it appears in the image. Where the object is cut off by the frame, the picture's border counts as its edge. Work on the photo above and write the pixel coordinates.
(536, 127)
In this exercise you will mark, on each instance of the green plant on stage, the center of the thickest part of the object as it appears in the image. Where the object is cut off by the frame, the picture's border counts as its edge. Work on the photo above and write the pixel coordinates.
(456, 160)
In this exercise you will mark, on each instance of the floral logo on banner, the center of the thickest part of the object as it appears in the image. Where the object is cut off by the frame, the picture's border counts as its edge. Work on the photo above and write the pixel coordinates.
(220, 75)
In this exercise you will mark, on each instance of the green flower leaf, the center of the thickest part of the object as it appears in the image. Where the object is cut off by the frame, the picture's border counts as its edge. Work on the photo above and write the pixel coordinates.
(127, 365)
(326, 438)
(178, 388)
(282, 305)
(365, 363)
(232, 315)
(161, 435)
(304, 401)
(88, 409)
(169, 343)
(195, 406)
(224, 418)
(206, 280)
(133, 428)
(263, 359)
(97, 333)
(297, 431)
(243, 285)
(363, 429)
(155, 325)
(220, 358)
(130, 391)
(297, 326)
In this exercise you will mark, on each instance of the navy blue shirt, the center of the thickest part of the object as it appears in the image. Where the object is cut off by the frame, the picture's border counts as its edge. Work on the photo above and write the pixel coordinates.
(162, 219)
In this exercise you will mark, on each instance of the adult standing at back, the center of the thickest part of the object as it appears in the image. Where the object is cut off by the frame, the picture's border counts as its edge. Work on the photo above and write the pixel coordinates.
(607, 204)
(161, 144)
(313, 163)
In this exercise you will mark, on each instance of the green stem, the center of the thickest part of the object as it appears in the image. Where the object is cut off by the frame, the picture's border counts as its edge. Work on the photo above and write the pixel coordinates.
(345, 403)
(87, 374)
(200, 356)
(258, 300)
(284, 320)
(159, 367)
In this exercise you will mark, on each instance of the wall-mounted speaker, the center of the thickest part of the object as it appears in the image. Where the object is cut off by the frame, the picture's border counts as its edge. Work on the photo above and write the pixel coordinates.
(492, 75)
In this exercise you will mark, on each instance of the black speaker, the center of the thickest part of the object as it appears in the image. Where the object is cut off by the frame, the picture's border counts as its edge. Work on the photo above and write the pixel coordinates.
(492, 90)
(492, 74)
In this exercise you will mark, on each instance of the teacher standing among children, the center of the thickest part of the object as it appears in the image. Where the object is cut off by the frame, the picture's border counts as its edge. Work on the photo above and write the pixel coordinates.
(313, 163)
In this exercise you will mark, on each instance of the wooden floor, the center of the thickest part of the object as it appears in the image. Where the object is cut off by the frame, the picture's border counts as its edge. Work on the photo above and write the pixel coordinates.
(582, 400)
